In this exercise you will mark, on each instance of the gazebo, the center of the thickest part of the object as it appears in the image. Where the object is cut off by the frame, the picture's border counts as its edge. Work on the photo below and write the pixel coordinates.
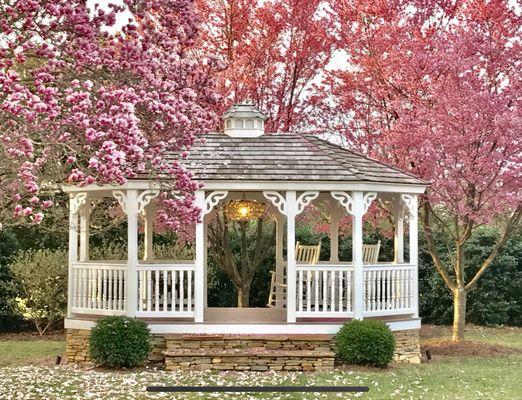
(287, 172)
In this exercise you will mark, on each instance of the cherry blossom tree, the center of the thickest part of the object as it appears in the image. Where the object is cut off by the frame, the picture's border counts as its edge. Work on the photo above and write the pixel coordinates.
(273, 53)
(435, 88)
(85, 101)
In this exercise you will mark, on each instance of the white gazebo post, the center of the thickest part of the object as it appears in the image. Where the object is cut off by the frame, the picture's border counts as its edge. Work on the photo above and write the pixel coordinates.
(149, 214)
(76, 200)
(411, 203)
(85, 212)
(398, 239)
(132, 251)
(290, 211)
(334, 231)
(357, 254)
(280, 268)
(199, 282)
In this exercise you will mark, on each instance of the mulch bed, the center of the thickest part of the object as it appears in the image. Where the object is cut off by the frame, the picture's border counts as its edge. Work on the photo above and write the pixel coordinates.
(468, 349)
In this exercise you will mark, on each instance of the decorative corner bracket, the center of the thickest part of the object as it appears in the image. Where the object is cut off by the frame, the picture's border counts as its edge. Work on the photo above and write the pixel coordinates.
(410, 200)
(277, 200)
(344, 199)
(305, 199)
(213, 199)
(368, 199)
(121, 197)
(77, 201)
(145, 198)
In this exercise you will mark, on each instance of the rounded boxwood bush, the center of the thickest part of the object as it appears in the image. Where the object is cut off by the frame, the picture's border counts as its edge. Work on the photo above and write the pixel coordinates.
(119, 342)
(367, 342)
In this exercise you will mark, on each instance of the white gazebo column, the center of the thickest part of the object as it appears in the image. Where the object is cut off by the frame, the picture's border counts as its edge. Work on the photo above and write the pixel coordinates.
(205, 263)
(149, 214)
(280, 268)
(76, 200)
(412, 204)
(334, 231)
(132, 251)
(85, 212)
(398, 238)
(199, 280)
(291, 211)
(357, 254)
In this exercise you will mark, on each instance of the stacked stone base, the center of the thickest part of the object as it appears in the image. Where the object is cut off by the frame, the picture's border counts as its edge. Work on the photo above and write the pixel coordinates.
(249, 352)
(407, 346)
(244, 352)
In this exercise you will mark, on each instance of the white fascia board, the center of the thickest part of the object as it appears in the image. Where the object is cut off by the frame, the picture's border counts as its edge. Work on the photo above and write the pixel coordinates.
(263, 185)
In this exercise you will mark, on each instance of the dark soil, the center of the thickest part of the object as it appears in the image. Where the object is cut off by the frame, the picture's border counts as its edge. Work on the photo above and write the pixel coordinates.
(52, 335)
(448, 348)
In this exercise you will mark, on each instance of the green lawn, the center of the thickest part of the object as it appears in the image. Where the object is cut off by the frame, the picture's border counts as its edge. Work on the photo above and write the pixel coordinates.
(445, 377)
(30, 351)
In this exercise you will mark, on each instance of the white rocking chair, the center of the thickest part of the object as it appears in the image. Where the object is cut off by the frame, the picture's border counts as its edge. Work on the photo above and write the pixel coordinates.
(303, 255)
(371, 253)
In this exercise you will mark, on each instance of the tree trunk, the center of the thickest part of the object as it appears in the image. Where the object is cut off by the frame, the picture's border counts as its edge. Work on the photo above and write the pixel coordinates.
(243, 296)
(459, 313)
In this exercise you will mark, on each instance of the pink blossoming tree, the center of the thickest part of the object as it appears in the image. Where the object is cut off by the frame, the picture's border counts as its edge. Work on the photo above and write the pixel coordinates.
(435, 88)
(82, 104)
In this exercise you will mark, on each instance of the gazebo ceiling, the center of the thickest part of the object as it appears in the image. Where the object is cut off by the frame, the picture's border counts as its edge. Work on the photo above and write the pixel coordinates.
(286, 157)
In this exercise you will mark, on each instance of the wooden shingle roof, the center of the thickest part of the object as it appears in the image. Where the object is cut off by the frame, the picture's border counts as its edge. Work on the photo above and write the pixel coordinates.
(286, 157)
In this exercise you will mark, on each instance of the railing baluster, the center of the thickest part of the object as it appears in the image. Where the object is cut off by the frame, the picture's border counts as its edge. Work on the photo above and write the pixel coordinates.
(300, 289)
(181, 291)
(173, 291)
(149, 291)
(340, 287)
(156, 289)
(308, 291)
(165, 289)
(189, 288)
(324, 275)
(332, 291)
(316, 291)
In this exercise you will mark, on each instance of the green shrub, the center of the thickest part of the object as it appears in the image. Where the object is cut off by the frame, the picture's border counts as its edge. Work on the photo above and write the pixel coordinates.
(119, 342)
(366, 342)
(39, 286)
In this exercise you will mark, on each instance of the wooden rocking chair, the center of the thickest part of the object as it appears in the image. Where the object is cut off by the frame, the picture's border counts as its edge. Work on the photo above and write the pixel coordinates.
(303, 255)
(371, 253)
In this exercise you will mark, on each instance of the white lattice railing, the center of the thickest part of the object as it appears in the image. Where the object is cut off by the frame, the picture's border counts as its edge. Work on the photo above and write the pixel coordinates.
(324, 291)
(388, 289)
(99, 287)
(165, 290)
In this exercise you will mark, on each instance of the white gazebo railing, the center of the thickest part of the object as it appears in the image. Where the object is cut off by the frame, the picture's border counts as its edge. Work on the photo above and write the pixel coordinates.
(389, 289)
(165, 290)
(99, 287)
(324, 291)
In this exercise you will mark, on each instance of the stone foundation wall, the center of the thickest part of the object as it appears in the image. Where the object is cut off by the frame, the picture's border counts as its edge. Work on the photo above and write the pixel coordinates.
(77, 346)
(244, 352)
(407, 346)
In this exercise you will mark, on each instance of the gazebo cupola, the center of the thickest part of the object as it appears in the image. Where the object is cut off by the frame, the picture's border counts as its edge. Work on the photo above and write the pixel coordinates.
(244, 120)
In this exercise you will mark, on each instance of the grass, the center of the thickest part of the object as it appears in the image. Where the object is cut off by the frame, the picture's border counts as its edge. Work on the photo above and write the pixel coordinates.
(14, 352)
(445, 377)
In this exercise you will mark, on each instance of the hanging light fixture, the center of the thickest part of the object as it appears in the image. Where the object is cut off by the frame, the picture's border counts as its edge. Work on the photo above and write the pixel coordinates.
(244, 210)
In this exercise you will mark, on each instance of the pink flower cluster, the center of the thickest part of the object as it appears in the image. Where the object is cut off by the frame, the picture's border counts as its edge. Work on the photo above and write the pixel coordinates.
(81, 106)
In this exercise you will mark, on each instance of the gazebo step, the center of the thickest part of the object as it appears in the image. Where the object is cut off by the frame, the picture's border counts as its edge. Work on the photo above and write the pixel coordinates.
(261, 353)
(249, 352)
